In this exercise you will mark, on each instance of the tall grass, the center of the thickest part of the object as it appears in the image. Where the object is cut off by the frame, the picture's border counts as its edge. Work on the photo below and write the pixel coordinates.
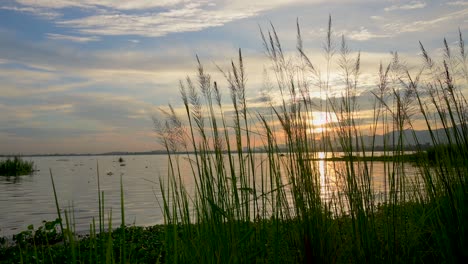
(285, 208)
(288, 204)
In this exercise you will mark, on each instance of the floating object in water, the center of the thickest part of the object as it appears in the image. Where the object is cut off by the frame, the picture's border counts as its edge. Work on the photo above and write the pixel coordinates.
(110, 173)
(123, 164)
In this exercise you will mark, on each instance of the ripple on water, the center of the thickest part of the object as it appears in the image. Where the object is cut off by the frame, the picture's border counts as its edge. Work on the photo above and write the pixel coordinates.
(30, 199)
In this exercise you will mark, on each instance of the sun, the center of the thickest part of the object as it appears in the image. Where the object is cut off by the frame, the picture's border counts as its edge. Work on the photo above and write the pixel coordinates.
(320, 121)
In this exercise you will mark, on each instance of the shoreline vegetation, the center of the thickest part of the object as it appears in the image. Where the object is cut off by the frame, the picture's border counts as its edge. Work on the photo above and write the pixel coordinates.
(16, 166)
(281, 209)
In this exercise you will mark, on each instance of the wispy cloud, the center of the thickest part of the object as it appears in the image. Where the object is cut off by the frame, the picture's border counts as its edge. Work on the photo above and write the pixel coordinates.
(150, 18)
(377, 18)
(364, 34)
(37, 11)
(408, 6)
(187, 19)
(458, 3)
(60, 97)
(72, 38)
(121, 5)
(422, 25)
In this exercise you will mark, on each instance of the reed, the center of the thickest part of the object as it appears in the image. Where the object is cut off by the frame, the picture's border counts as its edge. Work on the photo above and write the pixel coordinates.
(292, 203)
(284, 208)
(16, 166)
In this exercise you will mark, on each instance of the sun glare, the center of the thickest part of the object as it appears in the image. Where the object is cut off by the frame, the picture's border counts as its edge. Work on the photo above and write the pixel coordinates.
(320, 121)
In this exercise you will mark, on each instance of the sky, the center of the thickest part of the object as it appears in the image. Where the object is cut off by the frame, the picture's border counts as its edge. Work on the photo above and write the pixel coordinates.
(87, 76)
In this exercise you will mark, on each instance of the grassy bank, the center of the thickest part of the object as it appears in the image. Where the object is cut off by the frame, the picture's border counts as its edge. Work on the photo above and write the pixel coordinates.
(273, 210)
(148, 244)
(47, 245)
(16, 166)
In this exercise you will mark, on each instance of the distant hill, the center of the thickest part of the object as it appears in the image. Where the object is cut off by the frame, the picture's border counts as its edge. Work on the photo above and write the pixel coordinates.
(423, 137)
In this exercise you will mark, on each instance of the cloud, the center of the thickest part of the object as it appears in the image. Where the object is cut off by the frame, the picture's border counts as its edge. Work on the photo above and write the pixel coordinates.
(40, 12)
(72, 38)
(377, 18)
(153, 4)
(187, 19)
(422, 25)
(44, 133)
(363, 34)
(150, 18)
(102, 111)
(114, 89)
(120, 5)
(411, 5)
(458, 3)
(77, 117)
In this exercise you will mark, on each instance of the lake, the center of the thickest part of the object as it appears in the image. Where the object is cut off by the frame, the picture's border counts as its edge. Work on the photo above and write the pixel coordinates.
(29, 200)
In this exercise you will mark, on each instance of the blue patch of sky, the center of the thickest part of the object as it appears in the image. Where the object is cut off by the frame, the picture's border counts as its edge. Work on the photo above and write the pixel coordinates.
(75, 13)
(25, 25)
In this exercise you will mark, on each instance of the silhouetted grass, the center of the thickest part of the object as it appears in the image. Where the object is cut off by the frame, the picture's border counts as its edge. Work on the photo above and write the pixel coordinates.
(282, 206)
(285, 208)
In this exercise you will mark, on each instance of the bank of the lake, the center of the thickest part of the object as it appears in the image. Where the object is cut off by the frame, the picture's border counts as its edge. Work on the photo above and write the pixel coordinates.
(46, 244)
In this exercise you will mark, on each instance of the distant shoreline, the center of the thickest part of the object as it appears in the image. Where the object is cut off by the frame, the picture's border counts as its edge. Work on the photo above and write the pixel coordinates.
(163, 152)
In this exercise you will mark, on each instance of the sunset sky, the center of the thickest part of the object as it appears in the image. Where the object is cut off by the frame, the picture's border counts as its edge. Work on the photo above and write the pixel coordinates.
(86, 76)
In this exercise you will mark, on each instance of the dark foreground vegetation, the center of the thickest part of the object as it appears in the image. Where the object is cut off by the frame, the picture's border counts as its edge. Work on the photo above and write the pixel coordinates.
(47, 245)
(285, 208)
(16, 166)
(260, 241)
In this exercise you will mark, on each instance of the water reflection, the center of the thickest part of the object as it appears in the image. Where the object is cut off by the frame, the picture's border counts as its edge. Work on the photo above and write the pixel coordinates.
(29, 199)
(15, 179)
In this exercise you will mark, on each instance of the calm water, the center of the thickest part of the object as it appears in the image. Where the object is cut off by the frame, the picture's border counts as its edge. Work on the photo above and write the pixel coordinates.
(29, 199)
